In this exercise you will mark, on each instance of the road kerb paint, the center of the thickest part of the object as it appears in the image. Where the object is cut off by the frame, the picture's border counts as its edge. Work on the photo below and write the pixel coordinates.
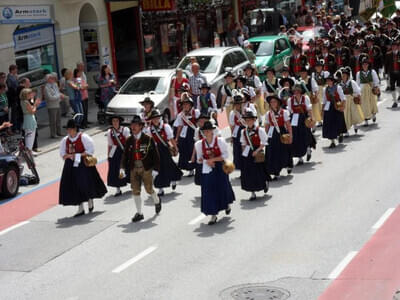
(135, 259)
(342, 265)
(13, 227)
(197, 219)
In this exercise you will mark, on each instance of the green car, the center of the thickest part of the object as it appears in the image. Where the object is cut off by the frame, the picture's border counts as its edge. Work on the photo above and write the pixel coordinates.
(270, 52)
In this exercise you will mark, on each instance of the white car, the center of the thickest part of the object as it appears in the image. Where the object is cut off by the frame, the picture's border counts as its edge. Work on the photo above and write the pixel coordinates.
(214, 62)
(126, 102)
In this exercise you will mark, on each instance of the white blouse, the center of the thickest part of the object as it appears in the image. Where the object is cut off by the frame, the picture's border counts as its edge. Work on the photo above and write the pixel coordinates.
(122, 130)
(261, 133)
(306, 100)
(87, 142)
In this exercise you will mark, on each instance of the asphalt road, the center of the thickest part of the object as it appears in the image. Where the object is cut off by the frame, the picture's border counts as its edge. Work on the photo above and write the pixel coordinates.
(292, 239)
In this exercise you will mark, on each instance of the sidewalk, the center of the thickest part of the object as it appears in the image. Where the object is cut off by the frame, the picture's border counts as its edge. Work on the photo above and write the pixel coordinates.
(47, 144)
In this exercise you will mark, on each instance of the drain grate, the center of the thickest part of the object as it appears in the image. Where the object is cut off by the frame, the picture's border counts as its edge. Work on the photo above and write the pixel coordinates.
(259, 293)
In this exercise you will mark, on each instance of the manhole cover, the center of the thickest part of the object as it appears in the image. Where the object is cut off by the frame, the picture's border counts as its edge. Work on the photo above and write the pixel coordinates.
(259, 292)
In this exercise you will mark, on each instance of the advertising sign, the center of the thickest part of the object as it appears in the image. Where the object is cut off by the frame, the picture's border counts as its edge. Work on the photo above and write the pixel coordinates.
(25, 14)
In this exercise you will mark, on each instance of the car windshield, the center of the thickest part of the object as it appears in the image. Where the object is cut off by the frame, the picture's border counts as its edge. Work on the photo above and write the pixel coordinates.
(141, 85)
(208, 64)
(265, 48)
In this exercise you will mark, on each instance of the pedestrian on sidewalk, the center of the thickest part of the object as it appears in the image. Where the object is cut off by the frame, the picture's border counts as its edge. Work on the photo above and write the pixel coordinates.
(85, 94)
(29, 106)
(79, 183)
(12, 96)
(216, 189)
(53, 97)
(142, 160)
(65, 103)
(3, 104)
(107, 83)
(73, 91)
(116, 137)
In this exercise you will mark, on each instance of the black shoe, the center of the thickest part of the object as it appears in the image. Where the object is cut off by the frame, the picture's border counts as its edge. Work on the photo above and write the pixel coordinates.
(394, 105)
(266, 189)
(79, 214)
(91, 208)
(252, 198)
(212, 222)
(174, 187)
(118, 194)
(374, 119)
(289, 171)
(158, 207)
(299, 163)
(138, 217)
(341, 138)
(387, 89)
(333, 145)
(159, 194)
(228, 211)
(308, 157)
(355, 130)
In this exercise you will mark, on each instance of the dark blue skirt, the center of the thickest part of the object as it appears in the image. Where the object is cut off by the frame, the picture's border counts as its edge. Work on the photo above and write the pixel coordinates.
(278, 155)
(197, 174)
(237, 150)
(334, 123)
(79, 184)
(114, 166)
(216, 191)
(168, 170)
(186, 146)
(302, 138)
(253, 176)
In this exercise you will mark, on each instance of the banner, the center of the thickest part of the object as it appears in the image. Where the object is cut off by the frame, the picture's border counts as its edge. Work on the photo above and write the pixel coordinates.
(164, 38)
(25, 14)
(220, 22)
(157, 5)
(33, 37)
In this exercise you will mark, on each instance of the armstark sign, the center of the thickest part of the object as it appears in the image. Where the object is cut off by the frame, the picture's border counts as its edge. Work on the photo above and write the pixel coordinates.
(25, 14)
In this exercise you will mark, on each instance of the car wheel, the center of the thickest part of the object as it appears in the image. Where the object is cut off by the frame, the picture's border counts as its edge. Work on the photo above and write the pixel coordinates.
(11, 182)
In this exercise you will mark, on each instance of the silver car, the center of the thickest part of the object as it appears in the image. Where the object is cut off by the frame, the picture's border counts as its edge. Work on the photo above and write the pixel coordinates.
(214, 62)
(126, 102)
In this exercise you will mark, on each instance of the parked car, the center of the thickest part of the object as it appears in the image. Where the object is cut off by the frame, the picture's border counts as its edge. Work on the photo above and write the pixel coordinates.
(126, 102)
(9, 175)
(214, 62)
(270, 52)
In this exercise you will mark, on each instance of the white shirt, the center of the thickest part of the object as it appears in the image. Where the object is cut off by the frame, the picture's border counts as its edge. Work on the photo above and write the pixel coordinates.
(223, 146)
(375, 79)
(261, 133)
(87, 142)
(179, 121)
(168, 130)
(286, 116)
(306, 100)
(340, 92)
(122, 130)
(232, 123)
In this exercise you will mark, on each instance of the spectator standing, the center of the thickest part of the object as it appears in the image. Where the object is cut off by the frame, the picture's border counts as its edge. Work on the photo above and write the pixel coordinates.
(3, 79)
(29, 107)
(107, 85)
(12, 96)
(73, 92)
(196, 80)
(3, 103)
(348, 11)
(82, 83)
(53, 97)
(64, 104)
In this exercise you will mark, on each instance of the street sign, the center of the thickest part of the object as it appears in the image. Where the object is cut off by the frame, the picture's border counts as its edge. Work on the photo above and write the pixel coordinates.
(13, 14)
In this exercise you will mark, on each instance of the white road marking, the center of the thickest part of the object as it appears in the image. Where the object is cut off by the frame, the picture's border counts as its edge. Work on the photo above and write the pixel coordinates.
(134, 259)
(197, 219)
(382, 220)
(381, 102)
(13, 227)
(340, 267)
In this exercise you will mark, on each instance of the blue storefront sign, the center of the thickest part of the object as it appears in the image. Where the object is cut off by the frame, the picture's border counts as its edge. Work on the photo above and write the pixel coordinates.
(29, 14)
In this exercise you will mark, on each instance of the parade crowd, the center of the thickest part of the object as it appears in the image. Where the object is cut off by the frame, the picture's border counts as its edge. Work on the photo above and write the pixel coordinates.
(333, 84)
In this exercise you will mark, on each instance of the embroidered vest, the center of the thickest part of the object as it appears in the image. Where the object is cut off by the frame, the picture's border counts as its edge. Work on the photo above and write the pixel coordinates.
(75, 147)
(161, 132)
(121, 137)
(347, 88)
(365, 78)
(332, 94)
(210, 152)
(280, 120)
(300, 107)
(254, 137)
(191, 119)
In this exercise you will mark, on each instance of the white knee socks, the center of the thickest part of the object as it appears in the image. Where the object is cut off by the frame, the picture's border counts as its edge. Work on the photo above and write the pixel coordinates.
(138, 203)
(155, 198)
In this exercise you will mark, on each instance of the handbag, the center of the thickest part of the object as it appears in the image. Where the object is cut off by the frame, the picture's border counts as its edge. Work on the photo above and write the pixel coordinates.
(357, 99)
(228, 166)
(285, 138)
(314, 99)
(309, 123)
(260, 157)
(90, 161)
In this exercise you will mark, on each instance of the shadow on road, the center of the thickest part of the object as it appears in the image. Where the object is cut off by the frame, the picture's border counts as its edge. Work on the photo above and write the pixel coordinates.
(109, 200)
(259, 202)
(221, 227)
(354, 138)
(282, 181)
(306, 167)
(71, 221)
(339, 148)
(196, 202)
(136, 227)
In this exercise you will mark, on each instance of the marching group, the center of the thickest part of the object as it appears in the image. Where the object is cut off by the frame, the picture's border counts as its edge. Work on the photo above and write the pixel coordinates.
(334, 84)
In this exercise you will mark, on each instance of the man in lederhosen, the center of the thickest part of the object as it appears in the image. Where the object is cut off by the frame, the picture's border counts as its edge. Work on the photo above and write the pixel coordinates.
(141, 158)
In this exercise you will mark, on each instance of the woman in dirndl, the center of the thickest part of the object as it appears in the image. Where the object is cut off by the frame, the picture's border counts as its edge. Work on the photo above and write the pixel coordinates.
(237, 123)
(186, 122)
(198, 135)
(277, 123)
(320, 77)
(216, 190)
(285, 92)
(368, 81)
(333, 102)
(299, 107)
(79, 183)
(163, 136)
(353, 114)
(116, 137)
(253, 175)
